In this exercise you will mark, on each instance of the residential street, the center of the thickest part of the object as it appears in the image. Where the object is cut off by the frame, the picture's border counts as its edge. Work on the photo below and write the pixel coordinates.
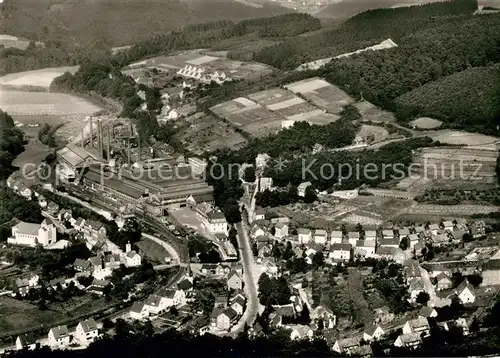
(250, 288)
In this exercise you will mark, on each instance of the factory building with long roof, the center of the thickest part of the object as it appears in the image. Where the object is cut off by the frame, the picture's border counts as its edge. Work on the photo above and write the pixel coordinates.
(157, 190)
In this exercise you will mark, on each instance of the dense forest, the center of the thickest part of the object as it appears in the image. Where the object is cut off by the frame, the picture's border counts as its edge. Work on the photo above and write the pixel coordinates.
(11, 144)
(362, 30)
(468, 99)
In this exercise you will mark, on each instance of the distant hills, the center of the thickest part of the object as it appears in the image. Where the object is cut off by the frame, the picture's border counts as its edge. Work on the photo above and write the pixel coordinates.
(118, 22)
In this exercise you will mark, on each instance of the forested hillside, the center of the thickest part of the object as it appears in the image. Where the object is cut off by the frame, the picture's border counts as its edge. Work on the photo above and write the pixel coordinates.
(423, 57)
(118, 22)
(468, 99)
(67, 52)
(362, 30)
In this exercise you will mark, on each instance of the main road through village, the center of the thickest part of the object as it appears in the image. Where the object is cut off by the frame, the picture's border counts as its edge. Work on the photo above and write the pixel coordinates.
(250, 286)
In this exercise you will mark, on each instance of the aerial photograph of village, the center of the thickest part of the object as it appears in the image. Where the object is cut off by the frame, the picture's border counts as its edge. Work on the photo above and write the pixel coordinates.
(254, 178)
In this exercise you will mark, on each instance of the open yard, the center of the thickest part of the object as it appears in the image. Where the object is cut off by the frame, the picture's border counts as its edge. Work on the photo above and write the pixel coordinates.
(378, 133)
(462, 138)
(37, 78)
(370, 112)
(426, 123)
(44, 103)
(154, 252)
(202, 133)
(18, 315)
(9, 41)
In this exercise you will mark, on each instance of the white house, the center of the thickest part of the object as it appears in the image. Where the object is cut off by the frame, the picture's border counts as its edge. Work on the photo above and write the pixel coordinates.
(59, 337)
(320, 237)
(265, 183)
(336, 237)
(364, 248)
(465, 292)
(281, 230)
(138, 311)
(371, 235)
(198, 165)
(418, 325)
(28, 234)
(174, 297)
(373, 333)
(305, 235)
(408, 340)
(300, 332)
(340, 252)
(353, 236)
(131, 258)
(226, 319)
(301, 189)
(217, 222)
(26, 341)
(259, 214)
(86, 331)
(427, 312)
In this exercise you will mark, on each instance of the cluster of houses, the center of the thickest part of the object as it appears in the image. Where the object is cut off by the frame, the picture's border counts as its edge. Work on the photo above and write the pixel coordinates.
(341, 246)
(202, 74)
(227, 312)
(60, 337)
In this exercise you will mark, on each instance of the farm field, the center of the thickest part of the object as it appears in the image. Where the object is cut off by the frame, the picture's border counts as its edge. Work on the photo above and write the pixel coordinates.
(454, 137)
(426, 123)
(9, 41)
(451, 168)
(37, 78)
(17, 316)
(263, 113)
(378, 133)
(44, 103)
(370, 112)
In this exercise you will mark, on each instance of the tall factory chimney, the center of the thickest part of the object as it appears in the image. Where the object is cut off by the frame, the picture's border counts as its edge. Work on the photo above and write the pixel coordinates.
(91, 133)
(139, 147)
(99, 138)
(129, 159)
(83, 137)
(108, 154)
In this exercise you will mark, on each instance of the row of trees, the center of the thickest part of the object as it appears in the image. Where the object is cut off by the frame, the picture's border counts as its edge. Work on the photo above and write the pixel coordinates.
(11, 144)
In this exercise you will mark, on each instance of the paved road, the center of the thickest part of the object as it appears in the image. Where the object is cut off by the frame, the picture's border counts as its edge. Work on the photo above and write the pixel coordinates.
(250, 288)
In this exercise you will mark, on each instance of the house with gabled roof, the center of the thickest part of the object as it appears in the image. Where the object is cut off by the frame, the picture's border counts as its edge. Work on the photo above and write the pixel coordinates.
(173, 297)
(340, 252)
(259, 214)
(447, 225)
(26, 341)
(418, 325)
(408, 340)
(234, 281)
(373, 332)
(389, 242)
(352, 346)
(352, 237)
(427, 312)
(87, 331)
(415, 286)
(226, 319)
(370, 235)
(281, 230)
(59, 337)
(325, 315)
(304, 235)
(238, 304)
(364, 248)
(256, 231)
(433, 229)
(336, 237)
(465, 292)
(320, 236)
(138, 311)
(443, 282)
(403, 232)
(300, 332)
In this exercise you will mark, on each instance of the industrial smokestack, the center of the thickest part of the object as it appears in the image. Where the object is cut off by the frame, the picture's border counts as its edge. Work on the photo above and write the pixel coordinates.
(109, 144)
(101, 154)
(91, 133)
(129, 159)
(83, 137)
(139, 147)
